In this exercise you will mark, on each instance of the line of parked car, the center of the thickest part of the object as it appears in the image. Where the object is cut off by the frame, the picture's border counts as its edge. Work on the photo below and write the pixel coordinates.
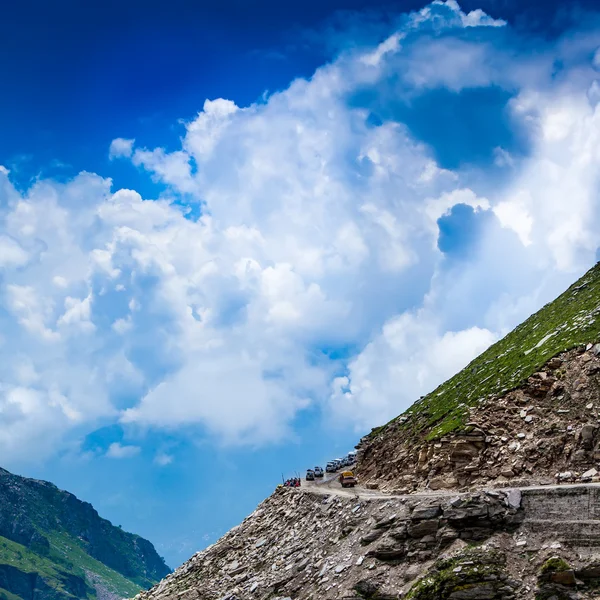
(332, 466)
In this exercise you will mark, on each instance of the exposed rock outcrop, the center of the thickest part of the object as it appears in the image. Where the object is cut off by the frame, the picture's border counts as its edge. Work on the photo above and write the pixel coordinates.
(546, 430)
(303, 545)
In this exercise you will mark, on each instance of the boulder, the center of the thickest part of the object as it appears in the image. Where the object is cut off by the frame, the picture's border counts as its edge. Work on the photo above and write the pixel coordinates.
(370, 537)
(426, 512)
(420, 529)
(388, 551)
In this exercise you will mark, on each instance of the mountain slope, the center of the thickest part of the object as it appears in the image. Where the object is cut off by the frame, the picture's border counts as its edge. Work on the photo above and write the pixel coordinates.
(56, 547)
(526, 408)
(570, 320)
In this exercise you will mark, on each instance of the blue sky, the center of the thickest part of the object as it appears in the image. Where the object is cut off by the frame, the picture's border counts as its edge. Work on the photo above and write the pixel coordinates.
(234, 238)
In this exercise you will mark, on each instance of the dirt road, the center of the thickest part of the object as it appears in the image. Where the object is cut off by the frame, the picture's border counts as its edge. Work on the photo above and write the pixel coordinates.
(330, 485)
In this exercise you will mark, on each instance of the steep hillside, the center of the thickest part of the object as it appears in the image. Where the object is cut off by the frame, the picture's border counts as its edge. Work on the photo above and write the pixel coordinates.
(570, 320)
(56, 547)
(307, 545)
(526, 408)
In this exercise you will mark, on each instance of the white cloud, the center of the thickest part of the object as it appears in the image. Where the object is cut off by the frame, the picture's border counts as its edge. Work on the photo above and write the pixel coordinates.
(11, 253)
(513, 213)
(392, 44)
(318, 231)
(121, 148)
(117, 450)
(77, 313)
(410, 357)
(163, 459)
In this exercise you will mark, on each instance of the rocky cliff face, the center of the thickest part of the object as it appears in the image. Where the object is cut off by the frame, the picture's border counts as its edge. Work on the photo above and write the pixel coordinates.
(482, 545)
(543, 431)
(56, 547)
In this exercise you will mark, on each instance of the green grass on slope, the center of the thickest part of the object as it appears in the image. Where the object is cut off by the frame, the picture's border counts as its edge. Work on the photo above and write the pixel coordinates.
(65, 555)
(16, 555)
(570, 320)
(65, 549)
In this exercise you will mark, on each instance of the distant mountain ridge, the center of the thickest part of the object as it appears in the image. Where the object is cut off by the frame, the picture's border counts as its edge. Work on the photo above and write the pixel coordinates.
(54, 546)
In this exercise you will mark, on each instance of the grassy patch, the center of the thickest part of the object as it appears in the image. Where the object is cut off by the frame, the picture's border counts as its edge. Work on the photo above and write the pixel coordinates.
(462, 573)
(22, 558)
(554, 565)
(569, 321)
(66, 556)
(68, 552)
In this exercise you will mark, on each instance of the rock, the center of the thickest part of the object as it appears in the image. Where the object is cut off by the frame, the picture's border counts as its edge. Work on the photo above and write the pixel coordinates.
(233, 566)
(426, 512)
(447, 535)
(513, 498)
(411, 572)
(442, 482)
(388, 551)
(587, 432)
(463, 451)
(563, 578)
(399, 533)
(370, 537)
(302, 564)
(366, 588)
(385, 523)
(420, 529)
(591, 571)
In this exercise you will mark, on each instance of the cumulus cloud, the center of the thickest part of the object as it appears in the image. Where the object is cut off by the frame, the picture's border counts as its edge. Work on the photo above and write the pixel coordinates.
(121, 148)
(318, 235)
(11, 253)
(409, 358)
(117, 450)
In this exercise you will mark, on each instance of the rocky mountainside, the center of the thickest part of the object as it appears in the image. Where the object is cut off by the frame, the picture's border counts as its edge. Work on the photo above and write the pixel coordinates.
(528, 408)
(315, 544)
(486, 489)
(56, 547)
(545, 430)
